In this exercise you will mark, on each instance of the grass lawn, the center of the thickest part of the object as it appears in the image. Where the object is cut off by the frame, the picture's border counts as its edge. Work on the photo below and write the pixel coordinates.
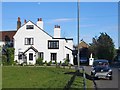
(37, 77)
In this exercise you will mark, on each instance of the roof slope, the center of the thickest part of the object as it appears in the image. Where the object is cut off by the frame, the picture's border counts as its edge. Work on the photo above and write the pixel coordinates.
(83, 44)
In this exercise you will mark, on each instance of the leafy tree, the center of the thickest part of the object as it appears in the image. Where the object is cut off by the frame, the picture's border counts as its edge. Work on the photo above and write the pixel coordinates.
(103, 47)
(7, 38)
(93, 47)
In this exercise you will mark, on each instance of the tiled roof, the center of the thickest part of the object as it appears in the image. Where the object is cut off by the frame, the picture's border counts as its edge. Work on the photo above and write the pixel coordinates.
(10, 34)
(83, 45)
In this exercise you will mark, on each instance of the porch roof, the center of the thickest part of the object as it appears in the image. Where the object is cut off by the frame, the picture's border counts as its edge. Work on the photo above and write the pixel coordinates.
(29, 49)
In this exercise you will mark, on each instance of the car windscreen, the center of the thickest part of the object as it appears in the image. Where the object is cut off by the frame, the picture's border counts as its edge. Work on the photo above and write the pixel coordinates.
(100, 63)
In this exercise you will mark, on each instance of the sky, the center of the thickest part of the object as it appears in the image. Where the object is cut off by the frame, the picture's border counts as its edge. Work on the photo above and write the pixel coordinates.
(95, 17)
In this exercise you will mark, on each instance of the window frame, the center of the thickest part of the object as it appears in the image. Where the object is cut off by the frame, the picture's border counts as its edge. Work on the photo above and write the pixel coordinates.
(52, 57)
(29, 27)
(31, 41)
(41, 55)
(53, 44)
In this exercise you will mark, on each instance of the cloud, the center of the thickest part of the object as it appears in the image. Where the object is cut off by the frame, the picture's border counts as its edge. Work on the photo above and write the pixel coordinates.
(62, 20)
(87, 25)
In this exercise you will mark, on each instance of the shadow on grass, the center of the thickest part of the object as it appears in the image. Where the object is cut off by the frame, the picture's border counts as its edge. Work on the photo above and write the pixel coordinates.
(70, 82)
(77, 73)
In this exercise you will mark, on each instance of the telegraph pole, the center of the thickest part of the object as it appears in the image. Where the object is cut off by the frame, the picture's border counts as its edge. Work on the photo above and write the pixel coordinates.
(78, 33)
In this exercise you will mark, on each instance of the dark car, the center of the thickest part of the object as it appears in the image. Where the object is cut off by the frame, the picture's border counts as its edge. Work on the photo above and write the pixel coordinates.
(83, 60)
(101, 69)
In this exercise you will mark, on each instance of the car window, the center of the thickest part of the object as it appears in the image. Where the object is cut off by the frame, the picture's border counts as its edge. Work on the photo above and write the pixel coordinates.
(100, 63)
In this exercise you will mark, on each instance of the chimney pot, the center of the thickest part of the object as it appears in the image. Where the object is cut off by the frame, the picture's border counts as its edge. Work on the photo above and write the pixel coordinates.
(40, 23)
(18, 18)
(40, 19)
(25, 21)
(18, 23)
(55, 26)
(57, 31)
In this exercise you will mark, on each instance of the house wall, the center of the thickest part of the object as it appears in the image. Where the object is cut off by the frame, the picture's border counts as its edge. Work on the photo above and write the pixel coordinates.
(41, 43)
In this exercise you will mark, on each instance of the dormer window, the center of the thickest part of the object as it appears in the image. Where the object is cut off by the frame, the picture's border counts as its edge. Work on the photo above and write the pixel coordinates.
(29, 27)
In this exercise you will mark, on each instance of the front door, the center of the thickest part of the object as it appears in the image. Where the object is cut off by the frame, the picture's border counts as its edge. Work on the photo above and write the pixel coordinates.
(31, 56)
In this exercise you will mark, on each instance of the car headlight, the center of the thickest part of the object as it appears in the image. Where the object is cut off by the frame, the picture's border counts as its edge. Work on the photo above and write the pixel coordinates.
(110, 70)
(93, 71)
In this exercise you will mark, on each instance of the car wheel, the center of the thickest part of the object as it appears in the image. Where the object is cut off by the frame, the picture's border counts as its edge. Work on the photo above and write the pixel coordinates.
(110, 78)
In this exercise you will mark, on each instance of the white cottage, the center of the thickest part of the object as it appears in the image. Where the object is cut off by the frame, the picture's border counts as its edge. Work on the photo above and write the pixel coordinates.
(32, 42)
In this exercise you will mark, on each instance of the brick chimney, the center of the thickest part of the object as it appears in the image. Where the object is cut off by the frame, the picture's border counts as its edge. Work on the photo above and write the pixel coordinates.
(40, 23)
(18, 23)
(57, 31)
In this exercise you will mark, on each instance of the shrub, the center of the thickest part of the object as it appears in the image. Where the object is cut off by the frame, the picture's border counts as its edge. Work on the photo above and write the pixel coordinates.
(10, 56)
(39, 61)
(45, 63)
(65, 62)
(4, 60)
(49, 64)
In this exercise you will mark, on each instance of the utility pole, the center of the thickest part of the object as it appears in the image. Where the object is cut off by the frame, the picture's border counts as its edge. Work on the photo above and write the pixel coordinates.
(78, 34)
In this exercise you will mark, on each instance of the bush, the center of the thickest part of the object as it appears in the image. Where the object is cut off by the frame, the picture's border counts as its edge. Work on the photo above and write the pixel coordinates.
(49, 64)
(4, 60)
(66, 62)
(10, 56)
(45, 63)
(39, 61)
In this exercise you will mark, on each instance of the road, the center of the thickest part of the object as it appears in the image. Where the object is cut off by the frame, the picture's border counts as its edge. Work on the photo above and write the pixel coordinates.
(107, 84)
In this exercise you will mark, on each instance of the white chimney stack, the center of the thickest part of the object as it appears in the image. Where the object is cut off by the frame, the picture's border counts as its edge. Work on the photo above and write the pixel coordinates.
(57, 31)
(40, 23)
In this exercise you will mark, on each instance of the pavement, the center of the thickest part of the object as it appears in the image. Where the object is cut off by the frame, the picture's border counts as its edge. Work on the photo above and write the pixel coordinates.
(107, 84)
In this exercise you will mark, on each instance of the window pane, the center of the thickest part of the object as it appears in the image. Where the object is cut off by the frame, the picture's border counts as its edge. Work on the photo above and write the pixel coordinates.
(29, 41)
(29, 27)
(53, 56)
(53, 44)
(41, 55)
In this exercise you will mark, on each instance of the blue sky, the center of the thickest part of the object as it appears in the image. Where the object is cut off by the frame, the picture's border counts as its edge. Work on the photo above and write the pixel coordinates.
(95, 17)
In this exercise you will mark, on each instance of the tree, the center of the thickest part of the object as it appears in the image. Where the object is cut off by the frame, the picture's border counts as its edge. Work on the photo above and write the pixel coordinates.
(7, 39)
(93, 47)
(103, 47)
(10, 55)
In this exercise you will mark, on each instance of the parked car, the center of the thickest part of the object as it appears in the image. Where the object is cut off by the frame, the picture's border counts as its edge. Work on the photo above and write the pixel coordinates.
(83, 60)
(101, 69)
